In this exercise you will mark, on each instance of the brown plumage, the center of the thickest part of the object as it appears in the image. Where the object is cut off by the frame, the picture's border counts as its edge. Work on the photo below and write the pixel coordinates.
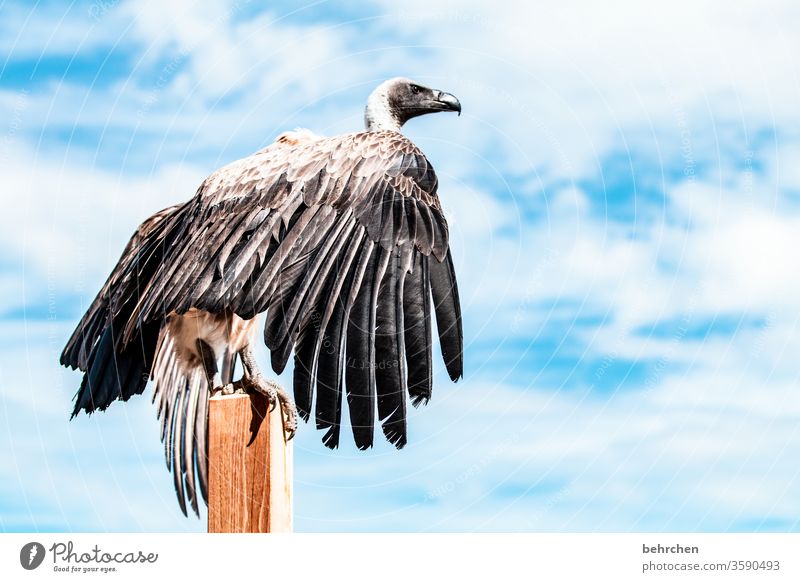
(340, 240)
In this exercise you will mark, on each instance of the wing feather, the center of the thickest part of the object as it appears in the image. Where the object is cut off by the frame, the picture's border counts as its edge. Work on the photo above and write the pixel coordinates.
(448, 315)
(330, 351)
(417, 332)
(360, 351)
(389, 364)
(334, 238)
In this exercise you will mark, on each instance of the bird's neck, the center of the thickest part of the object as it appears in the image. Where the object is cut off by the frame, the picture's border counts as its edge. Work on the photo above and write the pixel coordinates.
(378, 115)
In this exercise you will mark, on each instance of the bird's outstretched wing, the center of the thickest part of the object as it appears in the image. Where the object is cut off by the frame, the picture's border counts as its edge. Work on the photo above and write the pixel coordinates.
(342, 242)
(117, 370)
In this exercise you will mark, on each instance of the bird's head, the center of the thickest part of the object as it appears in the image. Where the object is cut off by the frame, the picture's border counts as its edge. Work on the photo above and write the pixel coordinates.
(397, 100)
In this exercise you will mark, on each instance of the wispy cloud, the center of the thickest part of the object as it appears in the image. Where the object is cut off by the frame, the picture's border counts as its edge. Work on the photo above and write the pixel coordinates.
(624, 208)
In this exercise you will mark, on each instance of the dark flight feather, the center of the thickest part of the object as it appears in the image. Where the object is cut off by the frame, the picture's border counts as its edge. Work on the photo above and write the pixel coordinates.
(389, 364)
(417, 332)
(448, 315)
(330, 351)
(341, 241)
(360, 351)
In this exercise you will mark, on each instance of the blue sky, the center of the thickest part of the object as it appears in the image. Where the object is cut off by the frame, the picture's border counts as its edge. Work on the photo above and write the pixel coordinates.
(624, 199)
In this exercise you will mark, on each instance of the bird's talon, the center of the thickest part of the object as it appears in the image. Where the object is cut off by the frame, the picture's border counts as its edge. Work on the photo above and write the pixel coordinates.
(275, 396)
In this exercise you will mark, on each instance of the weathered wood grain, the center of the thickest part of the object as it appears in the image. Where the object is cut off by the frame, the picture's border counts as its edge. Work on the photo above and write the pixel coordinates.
(249, 467)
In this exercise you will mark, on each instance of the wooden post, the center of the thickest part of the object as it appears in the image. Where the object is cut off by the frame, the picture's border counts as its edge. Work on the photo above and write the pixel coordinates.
(249, 466)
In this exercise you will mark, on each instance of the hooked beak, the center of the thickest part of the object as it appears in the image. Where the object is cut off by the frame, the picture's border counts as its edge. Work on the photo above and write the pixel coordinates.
(446, 102)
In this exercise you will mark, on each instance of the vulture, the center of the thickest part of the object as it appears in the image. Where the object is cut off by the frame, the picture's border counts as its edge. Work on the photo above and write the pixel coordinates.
(339, 242)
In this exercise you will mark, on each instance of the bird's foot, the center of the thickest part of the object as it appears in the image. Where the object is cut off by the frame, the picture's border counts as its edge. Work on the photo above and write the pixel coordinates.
(226, 390)
(275, 395)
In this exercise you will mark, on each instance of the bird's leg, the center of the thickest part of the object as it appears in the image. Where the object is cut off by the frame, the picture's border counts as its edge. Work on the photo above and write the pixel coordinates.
(272, 390)
(209, 360)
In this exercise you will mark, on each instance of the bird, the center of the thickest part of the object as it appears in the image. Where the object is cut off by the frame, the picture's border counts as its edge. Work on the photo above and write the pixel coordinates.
(339, 243)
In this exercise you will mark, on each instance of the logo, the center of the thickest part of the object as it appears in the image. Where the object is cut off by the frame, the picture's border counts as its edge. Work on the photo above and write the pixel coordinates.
(31, 555)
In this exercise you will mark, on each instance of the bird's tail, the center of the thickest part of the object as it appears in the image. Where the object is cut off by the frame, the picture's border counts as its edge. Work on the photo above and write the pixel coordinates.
(181, 398)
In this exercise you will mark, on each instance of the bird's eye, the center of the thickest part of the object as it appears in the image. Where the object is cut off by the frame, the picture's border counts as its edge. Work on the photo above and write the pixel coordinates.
(415, 89)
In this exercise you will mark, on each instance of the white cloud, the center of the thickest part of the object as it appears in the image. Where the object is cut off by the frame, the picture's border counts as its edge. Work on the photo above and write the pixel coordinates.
(525, 460)
(100, 473)
(547, 94)
(69, 224)
(563, 83)
(34, 31)
(261, 55)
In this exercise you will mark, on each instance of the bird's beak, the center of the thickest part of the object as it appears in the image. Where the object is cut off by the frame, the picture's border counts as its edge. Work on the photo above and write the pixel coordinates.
(446, 102)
